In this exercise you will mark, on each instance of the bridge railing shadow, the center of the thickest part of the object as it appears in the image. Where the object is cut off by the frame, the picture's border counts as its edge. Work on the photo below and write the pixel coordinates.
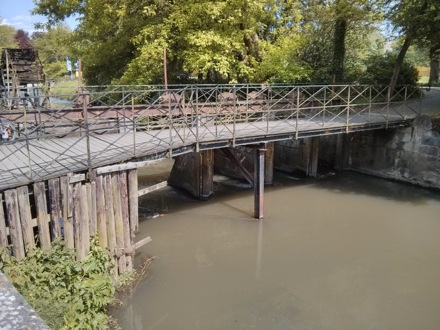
(134, 121)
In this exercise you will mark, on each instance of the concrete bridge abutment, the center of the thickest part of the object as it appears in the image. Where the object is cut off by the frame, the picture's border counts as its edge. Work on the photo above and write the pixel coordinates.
(299, 156)
(239, 163)
(194, 173)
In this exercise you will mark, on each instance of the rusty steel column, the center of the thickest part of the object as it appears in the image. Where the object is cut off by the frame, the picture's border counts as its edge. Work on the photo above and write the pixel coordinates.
(259, 183)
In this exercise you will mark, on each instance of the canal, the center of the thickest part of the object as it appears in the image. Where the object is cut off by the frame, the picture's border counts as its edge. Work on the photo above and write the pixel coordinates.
(348, 251)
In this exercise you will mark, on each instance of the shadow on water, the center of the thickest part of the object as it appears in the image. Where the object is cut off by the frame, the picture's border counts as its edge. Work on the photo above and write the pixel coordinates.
(171, 200)
(363, 184)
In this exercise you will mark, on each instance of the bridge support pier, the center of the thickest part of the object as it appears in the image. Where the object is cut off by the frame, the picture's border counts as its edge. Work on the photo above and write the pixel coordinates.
(239, 163)
(194, 173)
(311, 152)
(298, 156)
(259, 177)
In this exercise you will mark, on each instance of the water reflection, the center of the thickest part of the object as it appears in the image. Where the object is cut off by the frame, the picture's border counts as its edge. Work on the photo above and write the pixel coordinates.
(347, 252)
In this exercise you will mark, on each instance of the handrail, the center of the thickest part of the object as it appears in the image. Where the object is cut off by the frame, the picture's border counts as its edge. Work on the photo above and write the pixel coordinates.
(149, 121)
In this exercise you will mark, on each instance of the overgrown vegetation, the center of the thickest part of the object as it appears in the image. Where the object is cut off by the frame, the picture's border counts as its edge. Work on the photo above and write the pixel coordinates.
(66, 293)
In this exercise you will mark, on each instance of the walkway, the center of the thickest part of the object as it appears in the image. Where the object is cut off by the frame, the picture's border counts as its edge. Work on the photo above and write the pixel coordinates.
(209, 125)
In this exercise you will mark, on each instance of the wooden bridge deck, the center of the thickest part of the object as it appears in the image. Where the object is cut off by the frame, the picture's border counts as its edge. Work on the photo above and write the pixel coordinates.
(22, 162)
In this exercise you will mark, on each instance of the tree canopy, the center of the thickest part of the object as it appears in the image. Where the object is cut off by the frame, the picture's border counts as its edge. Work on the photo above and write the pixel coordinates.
(228, 41)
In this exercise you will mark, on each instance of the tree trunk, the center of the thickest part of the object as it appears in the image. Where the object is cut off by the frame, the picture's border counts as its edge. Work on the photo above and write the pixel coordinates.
(339, 50)
(399, 62)
(434, 65)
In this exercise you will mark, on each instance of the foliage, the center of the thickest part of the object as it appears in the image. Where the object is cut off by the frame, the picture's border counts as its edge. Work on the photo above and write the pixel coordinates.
(23, 39)
(53, 47)
(7, 36)
(380, 68)
(67, 294)
(123, 41)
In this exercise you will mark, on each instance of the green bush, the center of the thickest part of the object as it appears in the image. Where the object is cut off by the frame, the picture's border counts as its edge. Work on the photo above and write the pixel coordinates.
(66, 293)
(380, 70)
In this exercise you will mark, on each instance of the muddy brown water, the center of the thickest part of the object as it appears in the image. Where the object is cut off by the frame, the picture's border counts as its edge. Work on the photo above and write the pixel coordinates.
(345, 252)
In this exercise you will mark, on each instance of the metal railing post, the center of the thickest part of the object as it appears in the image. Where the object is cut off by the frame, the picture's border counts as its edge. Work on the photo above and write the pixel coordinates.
(170, 123)
(388, 107)
(123, 109)
(134, 124)
(370, 100)
(27, 143)
(197, 119)
(297, 113)
(348, 110)
(86, 124)
(405, 106)
(234, 118)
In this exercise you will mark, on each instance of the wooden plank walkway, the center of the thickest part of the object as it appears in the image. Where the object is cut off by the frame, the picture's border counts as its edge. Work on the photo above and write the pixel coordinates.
(22, 163)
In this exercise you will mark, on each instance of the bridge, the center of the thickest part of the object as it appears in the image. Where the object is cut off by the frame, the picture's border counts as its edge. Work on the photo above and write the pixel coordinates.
(97, 127)
(68, 161)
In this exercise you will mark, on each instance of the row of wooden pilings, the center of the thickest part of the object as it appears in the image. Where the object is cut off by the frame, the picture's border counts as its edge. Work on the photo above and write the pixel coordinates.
(76, 209)
(105, 202)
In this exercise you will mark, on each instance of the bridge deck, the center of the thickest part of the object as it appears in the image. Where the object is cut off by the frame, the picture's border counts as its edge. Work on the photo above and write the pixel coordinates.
(25, 162)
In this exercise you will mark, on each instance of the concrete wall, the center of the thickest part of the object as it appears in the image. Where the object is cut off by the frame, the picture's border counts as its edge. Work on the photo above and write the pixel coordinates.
(245, 156)
(193, 172)
(297, 156)
(409, 154)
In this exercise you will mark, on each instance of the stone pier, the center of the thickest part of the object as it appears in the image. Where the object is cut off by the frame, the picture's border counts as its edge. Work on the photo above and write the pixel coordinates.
(194, 172)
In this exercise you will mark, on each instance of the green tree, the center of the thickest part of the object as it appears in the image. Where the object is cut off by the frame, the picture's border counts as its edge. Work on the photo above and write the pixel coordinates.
(7, 36)
(346, 14)
(415, 21)
(53, 48)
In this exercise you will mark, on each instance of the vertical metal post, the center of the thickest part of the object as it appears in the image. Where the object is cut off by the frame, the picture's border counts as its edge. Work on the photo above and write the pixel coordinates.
(323, 109)
(197, 119)
(405, 103)
(217, 113)
(134, 124)
(259, 182)
(165, 74)
(27, 143)
(388, 106)
(234, 119)
(297, 112)
(86, 124)
(170, 119)
(370, 100)
(7, 76)
(347, 119)
(123, 109)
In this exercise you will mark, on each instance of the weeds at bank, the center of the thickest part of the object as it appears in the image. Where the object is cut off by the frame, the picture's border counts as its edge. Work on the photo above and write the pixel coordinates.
(66, 293)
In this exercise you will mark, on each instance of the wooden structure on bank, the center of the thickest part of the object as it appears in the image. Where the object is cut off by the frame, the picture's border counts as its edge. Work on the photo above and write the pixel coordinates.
(19, 68)
(76, 209)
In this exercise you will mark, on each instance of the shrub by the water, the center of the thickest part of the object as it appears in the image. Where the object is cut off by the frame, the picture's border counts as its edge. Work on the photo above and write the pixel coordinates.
(66, 293)
(380, 70)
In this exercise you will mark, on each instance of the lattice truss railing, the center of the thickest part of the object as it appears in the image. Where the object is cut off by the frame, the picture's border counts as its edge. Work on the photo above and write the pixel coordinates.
(97, 125)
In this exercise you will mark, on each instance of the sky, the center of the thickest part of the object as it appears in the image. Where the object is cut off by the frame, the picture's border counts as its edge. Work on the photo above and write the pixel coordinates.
(18, 14)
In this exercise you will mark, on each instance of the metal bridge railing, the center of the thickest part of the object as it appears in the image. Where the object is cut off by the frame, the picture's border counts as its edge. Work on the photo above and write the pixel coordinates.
(134, 121)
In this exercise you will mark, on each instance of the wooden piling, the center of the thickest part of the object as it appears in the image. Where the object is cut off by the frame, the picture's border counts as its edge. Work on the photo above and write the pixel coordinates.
(26, 217)
(125, 219)
(101, 211)
(3, 235)
(110, 220)
(13, 216)
(76, 210)
(76, 216)
(66, 199)
(133, 200)
(54, 202)
(91, 197)
(119, 226)
(42, 215)
(84, 232)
